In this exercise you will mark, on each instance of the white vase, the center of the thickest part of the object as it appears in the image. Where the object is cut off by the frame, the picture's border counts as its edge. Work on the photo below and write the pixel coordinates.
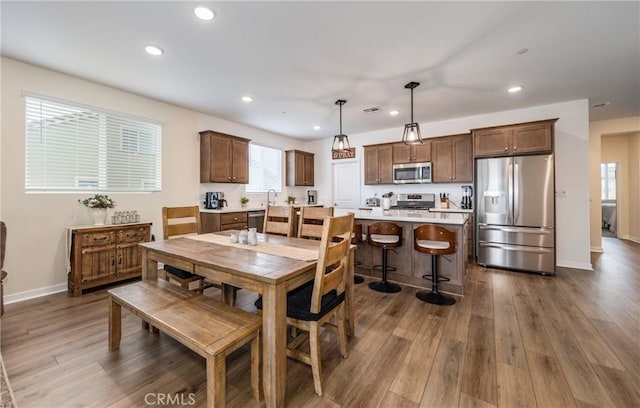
(99, 216)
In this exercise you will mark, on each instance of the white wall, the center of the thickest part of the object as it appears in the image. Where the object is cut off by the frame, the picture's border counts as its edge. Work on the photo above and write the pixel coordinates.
(36, 223)
(596, 131)
(571, 147)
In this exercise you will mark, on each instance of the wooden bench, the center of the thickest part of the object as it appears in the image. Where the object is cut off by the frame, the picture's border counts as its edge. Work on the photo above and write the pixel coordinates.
(209, 327)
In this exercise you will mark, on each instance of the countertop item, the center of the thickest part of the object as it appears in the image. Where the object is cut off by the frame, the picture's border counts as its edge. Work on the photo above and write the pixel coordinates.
(253, 208)
(423, 216)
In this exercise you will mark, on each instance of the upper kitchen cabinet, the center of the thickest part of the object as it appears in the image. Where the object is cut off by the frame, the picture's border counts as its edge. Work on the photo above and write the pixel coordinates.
(417, 153)
(223, 158)
(509, 140)
(300, 170)
(377, 164)
(452, 159)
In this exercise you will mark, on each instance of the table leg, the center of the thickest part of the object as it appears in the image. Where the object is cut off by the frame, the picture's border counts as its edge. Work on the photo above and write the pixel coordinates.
(149, 266)
(349, 292)
(274, 352)
(115, 324)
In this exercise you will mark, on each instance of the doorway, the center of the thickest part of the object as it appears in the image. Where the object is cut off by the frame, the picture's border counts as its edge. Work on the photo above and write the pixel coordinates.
(609, 198)
(346, 184)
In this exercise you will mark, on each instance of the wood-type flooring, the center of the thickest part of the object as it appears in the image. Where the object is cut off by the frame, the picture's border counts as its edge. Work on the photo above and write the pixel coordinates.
(514, 340)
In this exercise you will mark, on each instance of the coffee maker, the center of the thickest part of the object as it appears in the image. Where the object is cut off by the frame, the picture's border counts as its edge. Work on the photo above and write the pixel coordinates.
(312, 196)
(467, 198)
(214, 200)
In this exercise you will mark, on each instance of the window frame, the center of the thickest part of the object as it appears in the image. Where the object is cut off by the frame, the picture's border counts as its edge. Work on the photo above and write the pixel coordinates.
(264, 189)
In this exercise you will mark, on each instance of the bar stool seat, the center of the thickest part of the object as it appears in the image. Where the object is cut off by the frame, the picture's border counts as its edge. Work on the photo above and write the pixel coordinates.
(434, 240)
(385, 235)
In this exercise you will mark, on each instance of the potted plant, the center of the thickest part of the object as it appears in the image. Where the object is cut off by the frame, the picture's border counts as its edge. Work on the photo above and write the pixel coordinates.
(244, 200)
(291, 200)
(98, 205)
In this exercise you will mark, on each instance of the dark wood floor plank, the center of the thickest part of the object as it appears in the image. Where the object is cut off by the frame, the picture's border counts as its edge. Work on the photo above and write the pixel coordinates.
(479, 376)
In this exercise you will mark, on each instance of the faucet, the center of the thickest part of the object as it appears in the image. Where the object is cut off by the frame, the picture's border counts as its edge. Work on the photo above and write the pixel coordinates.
(275, 194)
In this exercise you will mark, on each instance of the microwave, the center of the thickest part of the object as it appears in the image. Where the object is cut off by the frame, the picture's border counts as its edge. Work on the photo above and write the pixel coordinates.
(412, 173)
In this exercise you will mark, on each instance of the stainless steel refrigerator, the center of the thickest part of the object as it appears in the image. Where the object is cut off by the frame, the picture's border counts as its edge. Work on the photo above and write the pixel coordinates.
(516, 213)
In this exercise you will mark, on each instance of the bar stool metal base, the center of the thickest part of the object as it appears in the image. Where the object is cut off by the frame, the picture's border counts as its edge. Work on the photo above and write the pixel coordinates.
(384, 286)
(357, 279)
(436, 298)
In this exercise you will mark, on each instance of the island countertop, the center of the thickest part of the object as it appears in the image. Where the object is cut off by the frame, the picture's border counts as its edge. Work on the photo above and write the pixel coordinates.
(420, 216)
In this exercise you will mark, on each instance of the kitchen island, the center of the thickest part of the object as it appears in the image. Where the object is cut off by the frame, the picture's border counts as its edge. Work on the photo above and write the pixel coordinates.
(410, 264)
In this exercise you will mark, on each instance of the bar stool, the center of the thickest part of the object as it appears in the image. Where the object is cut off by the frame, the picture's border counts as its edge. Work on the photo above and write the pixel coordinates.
(434, 240)
(384, 235)
(356, 238)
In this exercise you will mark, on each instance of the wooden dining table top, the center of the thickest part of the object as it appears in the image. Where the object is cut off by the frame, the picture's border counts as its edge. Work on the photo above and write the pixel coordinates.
(257, 266)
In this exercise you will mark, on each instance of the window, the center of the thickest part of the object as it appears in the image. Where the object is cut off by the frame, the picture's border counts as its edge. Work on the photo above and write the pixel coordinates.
(608, 181)
(265, 169)
(72, 148)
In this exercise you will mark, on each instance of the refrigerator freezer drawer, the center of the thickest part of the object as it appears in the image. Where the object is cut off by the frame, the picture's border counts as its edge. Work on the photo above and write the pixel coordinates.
(543, 237)
(532, 259)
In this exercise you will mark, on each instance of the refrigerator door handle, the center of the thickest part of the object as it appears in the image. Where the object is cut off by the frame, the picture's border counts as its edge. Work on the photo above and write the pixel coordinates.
(516, 192)
(510, 198)
(535, 250)
(523, 230)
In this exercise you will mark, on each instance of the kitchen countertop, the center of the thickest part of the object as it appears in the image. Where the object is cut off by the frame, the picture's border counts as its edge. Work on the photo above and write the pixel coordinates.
(451, 210)
(421, 216)
(250, 208)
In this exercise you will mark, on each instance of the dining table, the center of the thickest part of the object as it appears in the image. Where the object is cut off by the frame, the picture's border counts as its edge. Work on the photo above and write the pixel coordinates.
(271, 268)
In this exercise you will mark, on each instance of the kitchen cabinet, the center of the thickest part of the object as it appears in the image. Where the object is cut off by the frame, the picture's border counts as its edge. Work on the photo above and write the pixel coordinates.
(214, 222)
(509, 140)
(452, 159)
(300, 171)
(417, 153)
(378, 164)
(105, 254)
(223, 158)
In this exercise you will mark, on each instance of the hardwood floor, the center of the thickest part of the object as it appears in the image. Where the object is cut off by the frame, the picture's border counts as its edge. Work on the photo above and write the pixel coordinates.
(514, 339)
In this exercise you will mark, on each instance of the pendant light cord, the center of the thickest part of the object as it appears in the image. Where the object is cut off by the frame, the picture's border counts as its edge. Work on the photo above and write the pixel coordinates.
(341, 120)
(411, 105)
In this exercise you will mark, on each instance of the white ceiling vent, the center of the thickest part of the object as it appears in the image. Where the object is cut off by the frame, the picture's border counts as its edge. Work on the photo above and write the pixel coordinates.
(371, 110)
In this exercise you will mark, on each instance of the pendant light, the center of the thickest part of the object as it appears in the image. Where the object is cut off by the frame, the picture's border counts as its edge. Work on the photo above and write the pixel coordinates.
(340, 141)
(411, 133)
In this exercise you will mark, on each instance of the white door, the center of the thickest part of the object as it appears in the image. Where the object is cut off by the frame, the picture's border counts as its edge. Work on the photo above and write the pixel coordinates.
(346, 183)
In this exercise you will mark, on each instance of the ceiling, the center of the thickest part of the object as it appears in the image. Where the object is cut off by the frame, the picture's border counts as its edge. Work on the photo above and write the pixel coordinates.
(297, 58)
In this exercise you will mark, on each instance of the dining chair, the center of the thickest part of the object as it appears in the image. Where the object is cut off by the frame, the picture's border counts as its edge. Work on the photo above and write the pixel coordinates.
(279, 220)
(312, 305)
(181, 221)
(3, 246)
(311, 220)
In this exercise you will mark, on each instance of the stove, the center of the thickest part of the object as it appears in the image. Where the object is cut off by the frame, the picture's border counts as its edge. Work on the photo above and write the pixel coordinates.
(415, 201)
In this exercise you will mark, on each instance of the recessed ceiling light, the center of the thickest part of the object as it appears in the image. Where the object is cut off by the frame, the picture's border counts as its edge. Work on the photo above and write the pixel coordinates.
(316, 127)
(247, 99)
(600, 105)
(514, 89)
(153, 50)
(394, 113)
(203, 13)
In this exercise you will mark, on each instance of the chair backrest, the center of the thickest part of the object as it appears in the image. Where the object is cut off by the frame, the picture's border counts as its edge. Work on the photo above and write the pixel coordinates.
(279, 220)
(333, 258)
(384, 228)
(180, 221)
(311, 219)
(430, 232)
(3, 242)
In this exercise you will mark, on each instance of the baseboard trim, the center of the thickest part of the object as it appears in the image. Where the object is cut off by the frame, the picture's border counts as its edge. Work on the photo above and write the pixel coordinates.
(35, 293)
(574, 265)
(634, 239)
(597, 249)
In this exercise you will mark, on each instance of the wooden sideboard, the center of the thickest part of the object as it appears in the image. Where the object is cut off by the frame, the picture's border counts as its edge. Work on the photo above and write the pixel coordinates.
(105, 254)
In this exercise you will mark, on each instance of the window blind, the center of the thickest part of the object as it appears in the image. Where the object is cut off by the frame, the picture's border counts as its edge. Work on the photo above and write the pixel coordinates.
(71, 148)
(265, 169)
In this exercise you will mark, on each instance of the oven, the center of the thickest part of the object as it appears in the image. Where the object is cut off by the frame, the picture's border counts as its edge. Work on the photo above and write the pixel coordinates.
(412, 173)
